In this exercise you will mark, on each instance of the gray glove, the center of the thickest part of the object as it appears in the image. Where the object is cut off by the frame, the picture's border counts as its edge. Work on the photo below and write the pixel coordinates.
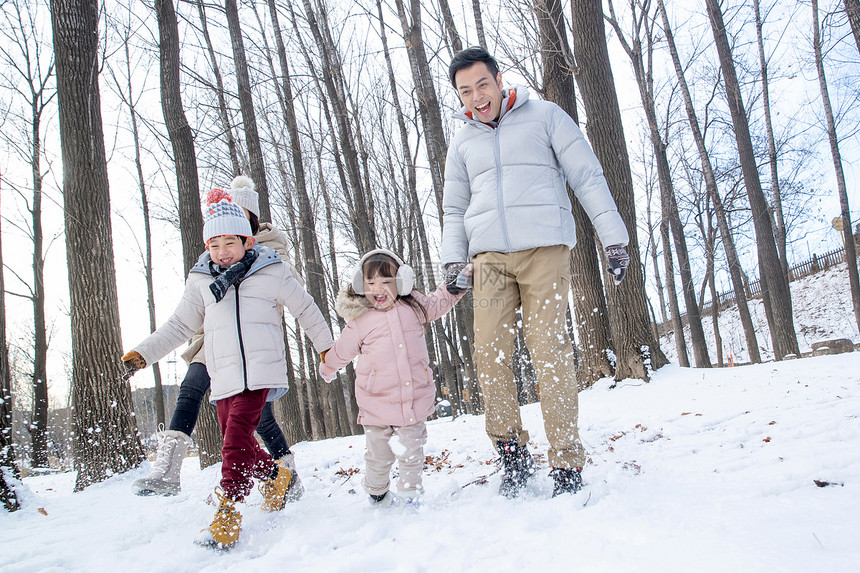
(452, 274)
(618, 261)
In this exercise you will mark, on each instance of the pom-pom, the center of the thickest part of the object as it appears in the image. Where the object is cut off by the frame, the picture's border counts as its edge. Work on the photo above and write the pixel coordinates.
(241, 182)
(217, 195)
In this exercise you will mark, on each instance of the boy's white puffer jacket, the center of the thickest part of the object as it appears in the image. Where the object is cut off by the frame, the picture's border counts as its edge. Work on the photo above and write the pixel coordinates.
(506, 188)
(243, 340)
(267, 236)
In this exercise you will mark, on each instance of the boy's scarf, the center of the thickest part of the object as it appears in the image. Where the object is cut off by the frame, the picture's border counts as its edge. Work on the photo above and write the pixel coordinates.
(232, 275)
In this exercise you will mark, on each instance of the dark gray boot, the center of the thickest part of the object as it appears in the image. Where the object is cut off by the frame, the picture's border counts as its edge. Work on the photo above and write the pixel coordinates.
(518, 465)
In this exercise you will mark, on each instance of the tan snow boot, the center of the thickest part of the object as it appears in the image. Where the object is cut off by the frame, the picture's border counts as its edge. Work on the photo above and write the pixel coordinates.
(275, 490)
(224, 530)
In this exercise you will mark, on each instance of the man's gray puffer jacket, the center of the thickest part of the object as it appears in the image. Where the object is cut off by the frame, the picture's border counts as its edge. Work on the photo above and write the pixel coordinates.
(505, 188)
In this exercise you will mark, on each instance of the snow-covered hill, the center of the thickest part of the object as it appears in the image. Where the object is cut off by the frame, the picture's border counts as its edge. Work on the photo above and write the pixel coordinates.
(753, 468)
(822, 310)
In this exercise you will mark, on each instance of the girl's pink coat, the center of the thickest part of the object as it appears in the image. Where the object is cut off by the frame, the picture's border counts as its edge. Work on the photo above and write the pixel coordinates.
(393, 382)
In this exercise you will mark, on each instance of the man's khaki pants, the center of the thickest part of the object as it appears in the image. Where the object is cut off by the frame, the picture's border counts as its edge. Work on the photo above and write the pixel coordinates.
(539, 281)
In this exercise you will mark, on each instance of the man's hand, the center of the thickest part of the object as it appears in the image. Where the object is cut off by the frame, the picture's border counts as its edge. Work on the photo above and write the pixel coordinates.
(133, 362)
(618, 261)
(452, 272)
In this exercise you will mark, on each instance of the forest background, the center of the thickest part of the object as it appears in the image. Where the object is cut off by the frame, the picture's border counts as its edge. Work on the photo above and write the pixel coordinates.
(341, 113)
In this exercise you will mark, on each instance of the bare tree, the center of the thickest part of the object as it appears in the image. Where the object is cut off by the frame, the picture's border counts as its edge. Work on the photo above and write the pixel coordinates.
(732, 260)
(479, 23)
(180, 134)
(106, 439)
(127, 95)
(450, 27)
(8, 469)
(643, 20)
(246, 104)
(188, 190)
(779, 218)
(852, 9)
(591, 315)
(847, 228)
(223, 113)
(33, 73)
(637, 350)
(314, 271)
(774, 285)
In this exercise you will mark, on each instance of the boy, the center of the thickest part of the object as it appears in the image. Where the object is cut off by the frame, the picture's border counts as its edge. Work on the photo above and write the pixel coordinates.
(234, 292)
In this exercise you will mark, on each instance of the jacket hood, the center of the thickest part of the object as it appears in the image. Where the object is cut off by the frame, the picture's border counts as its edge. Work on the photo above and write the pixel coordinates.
(522, 96)
(271, 236)
(350, 306)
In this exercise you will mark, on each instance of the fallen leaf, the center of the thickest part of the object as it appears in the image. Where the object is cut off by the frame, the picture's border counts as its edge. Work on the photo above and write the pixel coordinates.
(42, 511)
(822, 483)
(767, 439)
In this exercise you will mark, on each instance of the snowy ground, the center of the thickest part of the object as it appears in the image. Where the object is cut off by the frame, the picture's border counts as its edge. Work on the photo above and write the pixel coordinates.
(699, 470)
(822, 310)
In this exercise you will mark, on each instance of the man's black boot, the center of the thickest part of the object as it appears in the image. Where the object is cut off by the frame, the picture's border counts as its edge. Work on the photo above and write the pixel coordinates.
(518, 465)
(566, 480)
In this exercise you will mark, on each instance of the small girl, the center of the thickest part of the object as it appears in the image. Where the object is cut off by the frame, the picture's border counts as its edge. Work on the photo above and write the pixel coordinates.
(393, 384)
(235, 292)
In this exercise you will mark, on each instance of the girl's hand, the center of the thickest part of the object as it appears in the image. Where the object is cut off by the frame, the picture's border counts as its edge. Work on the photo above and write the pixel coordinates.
(322, 374)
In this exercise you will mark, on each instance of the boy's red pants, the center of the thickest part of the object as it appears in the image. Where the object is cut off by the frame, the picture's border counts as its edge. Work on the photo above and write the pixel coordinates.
(242, 456)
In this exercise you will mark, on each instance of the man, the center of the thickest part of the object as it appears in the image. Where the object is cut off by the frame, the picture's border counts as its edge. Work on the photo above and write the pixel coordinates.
(507, 210)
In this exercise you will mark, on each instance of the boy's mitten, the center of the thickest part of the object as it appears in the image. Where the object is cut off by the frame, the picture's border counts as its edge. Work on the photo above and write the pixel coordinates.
(133, 362)
(452, 271)
(618, 261)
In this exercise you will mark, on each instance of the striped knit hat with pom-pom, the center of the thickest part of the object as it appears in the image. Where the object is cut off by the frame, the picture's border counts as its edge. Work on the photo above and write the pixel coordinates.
(242, 190)
(223, 217)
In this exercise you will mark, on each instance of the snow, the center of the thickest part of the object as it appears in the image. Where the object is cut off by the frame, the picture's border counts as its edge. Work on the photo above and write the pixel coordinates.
(822, 309)
(697, 470)
(705, 470)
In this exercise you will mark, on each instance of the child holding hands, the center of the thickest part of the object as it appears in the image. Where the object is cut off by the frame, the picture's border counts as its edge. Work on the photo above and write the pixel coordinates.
(394, 386)
(235, 292)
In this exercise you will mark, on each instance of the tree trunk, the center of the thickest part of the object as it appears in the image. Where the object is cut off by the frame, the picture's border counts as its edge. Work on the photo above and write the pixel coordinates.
(246, 104)
(105, 434)
(314, 270)
(188, 190)
(181, 137)
(479, 23)
(779, 219)
(428, 102)
(645, 83)
(847, 227)
(776, 294)
(674, 307)
(592, 325)
(147, 232)
(332, 76)
(852, 9)
(652, 247)
(8, 469)
(223, 114)
(450, 27)
(732, 260)
(636, 348)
